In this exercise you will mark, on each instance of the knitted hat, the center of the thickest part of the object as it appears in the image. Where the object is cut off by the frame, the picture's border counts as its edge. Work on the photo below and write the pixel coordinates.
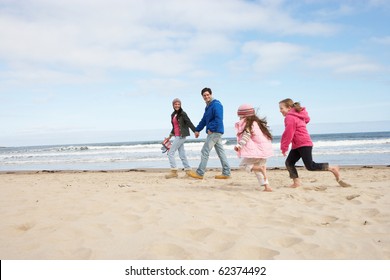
(176, 100)
(246, 110)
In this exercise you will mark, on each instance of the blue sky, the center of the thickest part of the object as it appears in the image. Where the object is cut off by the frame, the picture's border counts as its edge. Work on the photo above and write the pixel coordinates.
(97, 71)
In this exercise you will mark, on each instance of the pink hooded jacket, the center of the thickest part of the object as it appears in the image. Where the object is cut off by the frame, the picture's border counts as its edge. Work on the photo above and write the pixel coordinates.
(258, 146)
(295, 131)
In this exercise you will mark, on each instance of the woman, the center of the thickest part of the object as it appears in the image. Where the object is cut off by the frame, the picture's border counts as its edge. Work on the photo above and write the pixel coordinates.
(181, 124)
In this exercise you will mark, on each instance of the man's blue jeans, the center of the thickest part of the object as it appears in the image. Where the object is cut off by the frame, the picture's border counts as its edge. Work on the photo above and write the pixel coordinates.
(213, 140)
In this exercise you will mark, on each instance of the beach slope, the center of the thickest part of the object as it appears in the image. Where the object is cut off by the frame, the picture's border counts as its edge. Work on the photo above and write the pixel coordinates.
(138, 214)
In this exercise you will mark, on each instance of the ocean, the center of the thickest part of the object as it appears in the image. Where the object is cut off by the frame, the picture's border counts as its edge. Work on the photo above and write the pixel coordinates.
(371, 148)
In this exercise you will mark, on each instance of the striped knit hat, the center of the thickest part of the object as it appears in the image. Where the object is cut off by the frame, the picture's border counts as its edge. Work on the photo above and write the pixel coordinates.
(246, 110)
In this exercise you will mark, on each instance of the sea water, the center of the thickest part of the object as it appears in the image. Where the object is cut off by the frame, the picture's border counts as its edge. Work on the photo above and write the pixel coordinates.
(371, 148)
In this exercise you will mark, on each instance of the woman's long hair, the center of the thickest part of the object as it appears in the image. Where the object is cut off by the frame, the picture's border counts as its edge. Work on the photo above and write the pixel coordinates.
(177, 113)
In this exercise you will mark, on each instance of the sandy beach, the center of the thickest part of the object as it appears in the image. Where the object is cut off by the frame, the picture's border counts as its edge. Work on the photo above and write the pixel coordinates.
(138, 214)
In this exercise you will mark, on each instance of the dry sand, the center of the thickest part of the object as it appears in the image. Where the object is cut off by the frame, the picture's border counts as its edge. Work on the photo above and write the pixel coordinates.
(138, 214)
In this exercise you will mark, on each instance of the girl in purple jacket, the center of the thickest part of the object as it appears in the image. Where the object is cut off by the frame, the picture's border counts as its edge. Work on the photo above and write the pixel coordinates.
(253, 143)
(295, 132)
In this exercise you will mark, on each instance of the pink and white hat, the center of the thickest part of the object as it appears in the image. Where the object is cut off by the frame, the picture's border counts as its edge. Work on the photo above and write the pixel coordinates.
(246, 110)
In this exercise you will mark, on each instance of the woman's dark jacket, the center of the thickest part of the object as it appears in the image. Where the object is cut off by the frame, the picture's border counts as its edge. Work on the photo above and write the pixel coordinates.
(184, 123)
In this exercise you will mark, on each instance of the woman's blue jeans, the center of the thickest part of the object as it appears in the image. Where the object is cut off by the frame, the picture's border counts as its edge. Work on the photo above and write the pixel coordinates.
(178, 145)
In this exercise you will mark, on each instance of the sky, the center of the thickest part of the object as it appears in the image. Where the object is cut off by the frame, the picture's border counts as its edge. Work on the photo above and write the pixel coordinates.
(107, 71)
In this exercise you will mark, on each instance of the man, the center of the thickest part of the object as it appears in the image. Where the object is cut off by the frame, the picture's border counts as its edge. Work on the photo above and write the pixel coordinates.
(213, 121)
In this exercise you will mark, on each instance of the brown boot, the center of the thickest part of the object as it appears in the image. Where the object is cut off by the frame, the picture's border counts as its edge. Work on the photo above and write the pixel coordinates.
(222, 176)
(172, 174)
(193, 174)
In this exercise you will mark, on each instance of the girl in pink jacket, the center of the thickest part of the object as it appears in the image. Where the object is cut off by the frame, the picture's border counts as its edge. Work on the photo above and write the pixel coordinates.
(253, 143)
(296, 134)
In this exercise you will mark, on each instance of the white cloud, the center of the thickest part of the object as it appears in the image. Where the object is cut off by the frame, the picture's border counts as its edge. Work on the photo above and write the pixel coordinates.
(359, 67)
(134, 35)
(381, 40)
(379, 3)
(24, 74)
(81, 41)
(161, 86)
(270, 57)
(93, 54)
(339, 11)
(341, 63)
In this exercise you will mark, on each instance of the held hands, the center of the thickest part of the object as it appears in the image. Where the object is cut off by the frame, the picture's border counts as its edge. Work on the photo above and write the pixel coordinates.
(197, 133)
(237, 148)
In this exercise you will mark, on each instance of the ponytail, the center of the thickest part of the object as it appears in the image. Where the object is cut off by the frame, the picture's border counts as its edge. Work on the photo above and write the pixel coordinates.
(291, 104)
(297, 107)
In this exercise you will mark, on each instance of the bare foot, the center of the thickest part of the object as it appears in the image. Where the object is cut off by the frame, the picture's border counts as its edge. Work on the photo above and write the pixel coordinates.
(336, 172)
(267, 189)
(344, 184)
(296, 183)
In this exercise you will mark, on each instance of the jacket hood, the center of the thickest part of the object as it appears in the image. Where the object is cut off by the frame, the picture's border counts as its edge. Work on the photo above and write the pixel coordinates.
(303, 115)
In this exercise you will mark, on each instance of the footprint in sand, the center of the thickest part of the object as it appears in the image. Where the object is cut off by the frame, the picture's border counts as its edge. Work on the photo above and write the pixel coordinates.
(200, 234)
(317, 189)
(223, 246)
(250, 252)
(221, 241)
(327, 220)
(82, 254)
(350, 197)
(193, 235)
(264, 253)
(167, 251)
(25, 226)
(286, 242)
(371, 212)
(305, 231)
(104, 229)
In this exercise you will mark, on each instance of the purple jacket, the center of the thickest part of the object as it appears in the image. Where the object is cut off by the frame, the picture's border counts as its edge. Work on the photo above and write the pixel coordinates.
(295, 131)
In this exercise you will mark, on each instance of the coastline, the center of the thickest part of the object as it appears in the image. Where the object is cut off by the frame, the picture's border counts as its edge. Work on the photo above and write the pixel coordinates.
(159, 170)
(138, 214)
(339, 149)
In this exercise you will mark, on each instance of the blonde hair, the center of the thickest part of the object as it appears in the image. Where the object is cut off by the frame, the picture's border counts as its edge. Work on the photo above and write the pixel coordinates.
(289, 103)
